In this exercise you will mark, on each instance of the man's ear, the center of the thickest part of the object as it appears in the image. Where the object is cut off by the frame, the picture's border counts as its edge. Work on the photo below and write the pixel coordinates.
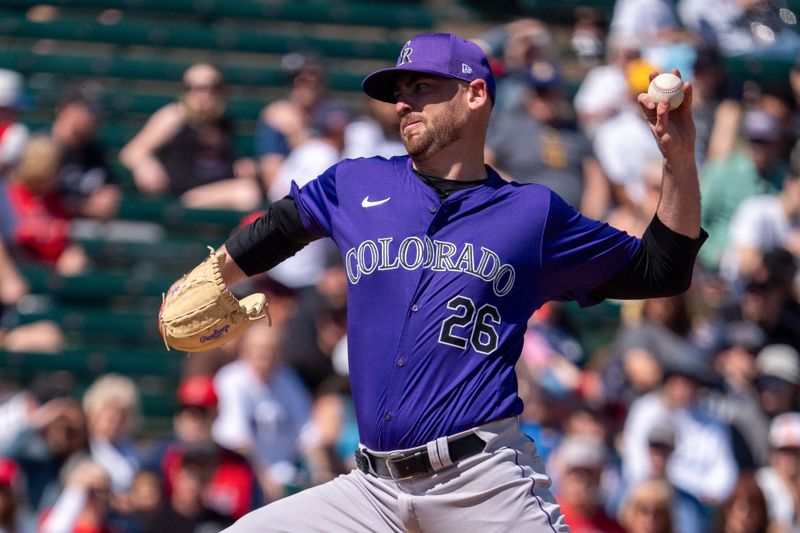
(478, 94)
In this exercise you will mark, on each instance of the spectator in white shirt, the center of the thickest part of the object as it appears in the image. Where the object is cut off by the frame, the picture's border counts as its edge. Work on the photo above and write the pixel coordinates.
(263, 408)
(702, 463)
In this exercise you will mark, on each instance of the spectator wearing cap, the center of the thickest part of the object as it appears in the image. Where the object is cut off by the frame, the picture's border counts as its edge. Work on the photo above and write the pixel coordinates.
(543, 146)
(702, 463)
(762, 223)
(770, 300)
(778, 367)
(736, 401)
(579, 463)
(780, 479)
(263, 409)
(231, 489)
(686, 512)
(756, 169)
(83, 176)
(186, 148)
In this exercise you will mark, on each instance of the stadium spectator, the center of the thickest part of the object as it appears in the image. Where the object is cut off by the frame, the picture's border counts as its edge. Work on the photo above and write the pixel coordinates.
(736, 401)
(645, 343)
(715, 109)
(232, 488)
(263, 410)
(778, 378)
(83, 177)
(113, 411)
(376, 133)
(11, 497)
(780, 479)
(83, 505)
(320, 150)
(542, 146)
(514, 47)
(703, 463)
(579, 462)
(623, 144)
(634, 217)
(604, 91)
(687, 514)
(53, 434)
(317, 327)
(185, 510)
(13, 135)
(745, 511)
(647, 508)
(752, 27)
(186, 148)
(40, 217)
(285, 123)
(758, 169)
(762, 223)
(769, 299)
(587, 39)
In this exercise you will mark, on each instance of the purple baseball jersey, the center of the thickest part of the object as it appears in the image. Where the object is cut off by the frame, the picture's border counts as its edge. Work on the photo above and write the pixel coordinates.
(440, 292)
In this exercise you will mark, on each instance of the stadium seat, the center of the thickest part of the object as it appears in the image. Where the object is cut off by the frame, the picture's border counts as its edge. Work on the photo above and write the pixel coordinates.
(407, 15)
(131, 31)
(153, 68)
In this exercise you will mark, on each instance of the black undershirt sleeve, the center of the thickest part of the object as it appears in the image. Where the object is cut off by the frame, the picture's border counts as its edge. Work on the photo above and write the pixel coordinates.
(275, 236)
(662, 266)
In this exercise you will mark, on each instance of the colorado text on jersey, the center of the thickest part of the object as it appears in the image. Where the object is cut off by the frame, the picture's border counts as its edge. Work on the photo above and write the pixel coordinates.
(439, 256)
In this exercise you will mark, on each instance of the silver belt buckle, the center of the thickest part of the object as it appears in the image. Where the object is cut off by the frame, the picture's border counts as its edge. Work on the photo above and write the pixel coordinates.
(390, 465)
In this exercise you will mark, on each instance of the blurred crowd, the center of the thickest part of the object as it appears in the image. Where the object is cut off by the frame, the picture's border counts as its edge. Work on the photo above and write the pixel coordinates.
(681, 416)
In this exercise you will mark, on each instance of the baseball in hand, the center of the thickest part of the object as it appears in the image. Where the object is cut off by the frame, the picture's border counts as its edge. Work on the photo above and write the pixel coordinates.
(667, 85)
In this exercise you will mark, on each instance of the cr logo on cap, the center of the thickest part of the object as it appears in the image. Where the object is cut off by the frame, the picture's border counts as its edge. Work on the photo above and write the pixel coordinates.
(405, 54)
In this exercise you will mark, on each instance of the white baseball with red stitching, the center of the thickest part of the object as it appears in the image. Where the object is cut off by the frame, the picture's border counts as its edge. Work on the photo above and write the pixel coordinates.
(669, 86)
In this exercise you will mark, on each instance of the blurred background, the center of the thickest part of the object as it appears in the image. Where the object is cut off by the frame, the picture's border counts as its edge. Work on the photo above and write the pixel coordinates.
(135, 133)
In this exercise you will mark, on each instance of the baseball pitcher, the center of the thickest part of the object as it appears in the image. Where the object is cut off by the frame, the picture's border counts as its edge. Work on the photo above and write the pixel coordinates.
(446, 262)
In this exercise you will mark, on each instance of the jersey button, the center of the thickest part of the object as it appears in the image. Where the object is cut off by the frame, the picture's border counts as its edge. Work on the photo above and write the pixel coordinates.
(401, 361)
(432, 208)
(415, 308)
(387, 416)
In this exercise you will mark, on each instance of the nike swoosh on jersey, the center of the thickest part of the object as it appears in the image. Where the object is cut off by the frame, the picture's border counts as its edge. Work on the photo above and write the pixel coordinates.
(366, 202)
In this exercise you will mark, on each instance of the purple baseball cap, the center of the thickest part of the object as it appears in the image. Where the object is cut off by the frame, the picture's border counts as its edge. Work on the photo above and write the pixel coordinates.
(441, 54)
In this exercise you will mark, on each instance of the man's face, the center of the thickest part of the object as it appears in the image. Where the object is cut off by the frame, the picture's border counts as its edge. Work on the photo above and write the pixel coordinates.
(786, 461)
(81, 123)
(432, 113)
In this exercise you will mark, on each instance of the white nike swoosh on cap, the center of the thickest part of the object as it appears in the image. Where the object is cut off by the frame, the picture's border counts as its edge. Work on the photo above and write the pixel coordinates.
(367, 203)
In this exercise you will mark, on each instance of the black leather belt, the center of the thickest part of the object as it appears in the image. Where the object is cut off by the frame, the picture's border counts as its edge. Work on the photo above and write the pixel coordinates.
(399, 466)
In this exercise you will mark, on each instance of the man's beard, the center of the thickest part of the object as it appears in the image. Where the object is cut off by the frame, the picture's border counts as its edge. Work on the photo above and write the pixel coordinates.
(439, 133)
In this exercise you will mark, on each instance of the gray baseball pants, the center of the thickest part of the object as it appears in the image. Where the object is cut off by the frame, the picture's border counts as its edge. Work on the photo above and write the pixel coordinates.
(502, 489)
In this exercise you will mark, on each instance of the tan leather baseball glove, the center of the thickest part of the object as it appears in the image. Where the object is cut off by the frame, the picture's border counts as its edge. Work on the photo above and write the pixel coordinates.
(199, 312)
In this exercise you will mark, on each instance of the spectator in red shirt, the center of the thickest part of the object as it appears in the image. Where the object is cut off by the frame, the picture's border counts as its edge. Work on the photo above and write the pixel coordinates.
(580, 462)
(232, 489)
(40, 227)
